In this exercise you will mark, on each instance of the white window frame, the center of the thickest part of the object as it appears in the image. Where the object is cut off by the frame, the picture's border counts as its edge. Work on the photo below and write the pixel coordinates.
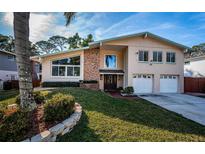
(157, 56)
(66, 66)
(143, 55)
(170, 58)
(105, 61)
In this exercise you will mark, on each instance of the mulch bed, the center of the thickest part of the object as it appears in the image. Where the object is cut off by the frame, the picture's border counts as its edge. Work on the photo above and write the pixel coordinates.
(118, 95)
(38, 123)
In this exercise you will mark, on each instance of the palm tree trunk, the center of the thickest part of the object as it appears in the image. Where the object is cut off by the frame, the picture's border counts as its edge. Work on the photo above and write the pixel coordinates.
(21, 34)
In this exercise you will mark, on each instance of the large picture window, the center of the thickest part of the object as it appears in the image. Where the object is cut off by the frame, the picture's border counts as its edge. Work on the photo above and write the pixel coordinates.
(110, 61)
(66, 67)
(143, 56)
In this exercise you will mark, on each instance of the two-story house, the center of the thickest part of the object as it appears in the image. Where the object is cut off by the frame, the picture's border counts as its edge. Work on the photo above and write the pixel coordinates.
(149, 63)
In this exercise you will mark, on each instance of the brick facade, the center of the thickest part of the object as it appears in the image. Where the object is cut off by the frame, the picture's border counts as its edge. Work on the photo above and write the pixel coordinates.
(91, 64)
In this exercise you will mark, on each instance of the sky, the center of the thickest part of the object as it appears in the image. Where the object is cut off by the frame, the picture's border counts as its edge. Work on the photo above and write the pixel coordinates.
(184, 28)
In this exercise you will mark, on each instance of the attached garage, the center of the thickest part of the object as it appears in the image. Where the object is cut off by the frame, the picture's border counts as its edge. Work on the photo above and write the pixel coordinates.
(143, 83)
(168, 84)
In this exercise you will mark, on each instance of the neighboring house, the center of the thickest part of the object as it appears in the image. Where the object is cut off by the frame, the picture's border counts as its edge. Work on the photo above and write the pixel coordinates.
(149, 63)
(8, 68)
(195, 66)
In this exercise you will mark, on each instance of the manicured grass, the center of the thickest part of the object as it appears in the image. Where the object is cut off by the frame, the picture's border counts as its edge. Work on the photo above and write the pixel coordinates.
(7, 97)
(110, 119)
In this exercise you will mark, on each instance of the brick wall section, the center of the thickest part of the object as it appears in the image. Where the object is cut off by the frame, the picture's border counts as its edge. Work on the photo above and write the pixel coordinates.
(91, 64)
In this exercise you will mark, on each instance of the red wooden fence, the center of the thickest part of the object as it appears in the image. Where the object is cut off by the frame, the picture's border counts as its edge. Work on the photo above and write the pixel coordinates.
(194, 84)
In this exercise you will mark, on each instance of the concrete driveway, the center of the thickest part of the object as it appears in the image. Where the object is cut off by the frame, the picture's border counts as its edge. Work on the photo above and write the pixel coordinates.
(188, 106)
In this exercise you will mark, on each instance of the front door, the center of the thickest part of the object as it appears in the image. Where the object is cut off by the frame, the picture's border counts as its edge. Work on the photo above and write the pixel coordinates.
(110, 82)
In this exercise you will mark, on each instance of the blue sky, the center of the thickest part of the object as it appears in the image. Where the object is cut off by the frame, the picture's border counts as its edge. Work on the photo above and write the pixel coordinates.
(185, 28)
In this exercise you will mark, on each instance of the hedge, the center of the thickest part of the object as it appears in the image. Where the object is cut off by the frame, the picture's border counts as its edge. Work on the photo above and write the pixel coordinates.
(60, 84)
(59, 107)
(88, 81)
(14, 127)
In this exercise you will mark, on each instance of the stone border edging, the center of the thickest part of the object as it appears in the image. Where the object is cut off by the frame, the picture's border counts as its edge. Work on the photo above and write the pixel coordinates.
(62, 128)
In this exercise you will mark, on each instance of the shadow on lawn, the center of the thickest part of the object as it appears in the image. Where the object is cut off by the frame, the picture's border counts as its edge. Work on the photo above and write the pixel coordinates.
(139, 111)
(80, 133)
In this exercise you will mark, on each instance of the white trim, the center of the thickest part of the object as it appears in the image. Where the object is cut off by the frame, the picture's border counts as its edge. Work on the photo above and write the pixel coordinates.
(113, 73)
(143, 52)
(65, 76)
(170, 57)
(158, 62)
(105, 62)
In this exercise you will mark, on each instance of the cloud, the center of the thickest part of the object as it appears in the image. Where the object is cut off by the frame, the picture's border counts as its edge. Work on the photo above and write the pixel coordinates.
(44, 25)
(138, 22)
(40, 24)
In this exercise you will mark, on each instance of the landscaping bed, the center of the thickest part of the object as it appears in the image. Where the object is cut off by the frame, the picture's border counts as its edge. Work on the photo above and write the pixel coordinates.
(17, 124)
(106, 118)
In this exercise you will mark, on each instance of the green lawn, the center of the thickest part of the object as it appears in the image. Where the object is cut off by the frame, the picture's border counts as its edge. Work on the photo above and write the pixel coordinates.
(109, 119)
(7, 97)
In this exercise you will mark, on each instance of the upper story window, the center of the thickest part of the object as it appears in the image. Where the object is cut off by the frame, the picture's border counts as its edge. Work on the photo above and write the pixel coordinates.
(157, 56)
(171, 57)
(11, 57)
(143, 56)
(110, 61)
(66, 67)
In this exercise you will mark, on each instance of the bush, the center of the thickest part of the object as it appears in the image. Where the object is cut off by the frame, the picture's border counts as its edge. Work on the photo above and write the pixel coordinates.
(1, 115)
(59, 107)
(15, 126)
(88, 81)
(60, 84)
(39, 96)
(7, 85)
(128, 90)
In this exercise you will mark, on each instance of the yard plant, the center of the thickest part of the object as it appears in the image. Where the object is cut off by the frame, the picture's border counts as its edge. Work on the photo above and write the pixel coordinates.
(106, 118)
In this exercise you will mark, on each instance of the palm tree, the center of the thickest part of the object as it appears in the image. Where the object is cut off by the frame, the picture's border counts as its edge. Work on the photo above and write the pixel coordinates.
(69, 17)
(23, 52)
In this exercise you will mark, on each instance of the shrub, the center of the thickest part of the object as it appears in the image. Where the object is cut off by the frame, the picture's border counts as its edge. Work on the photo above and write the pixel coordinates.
(1, 115)
(7, 85)
(39, 96)
(59, 107)
(88, 81)
(128, 90)
(60, 84)
(15, 126)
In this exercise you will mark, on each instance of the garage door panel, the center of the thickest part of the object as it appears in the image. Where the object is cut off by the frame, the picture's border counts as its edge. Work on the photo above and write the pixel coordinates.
(168, 84)
(142, 84)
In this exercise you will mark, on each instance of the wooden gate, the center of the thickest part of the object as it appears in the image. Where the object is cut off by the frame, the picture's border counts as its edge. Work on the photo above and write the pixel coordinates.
(196, 84)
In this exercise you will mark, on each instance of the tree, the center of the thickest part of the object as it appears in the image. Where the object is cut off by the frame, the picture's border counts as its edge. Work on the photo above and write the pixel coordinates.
(74, 41)
(60, 42)
(6, 43)
(45, 47)
(87, 40)
(23, 52)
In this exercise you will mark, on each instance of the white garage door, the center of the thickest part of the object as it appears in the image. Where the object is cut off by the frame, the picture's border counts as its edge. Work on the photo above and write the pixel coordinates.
(142, 83)
(168, 83)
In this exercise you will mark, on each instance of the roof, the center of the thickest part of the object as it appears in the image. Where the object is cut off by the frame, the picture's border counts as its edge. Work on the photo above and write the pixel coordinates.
(142, 34)
(7, 52)
(97, 43)
(51, 54)
(110, 71)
